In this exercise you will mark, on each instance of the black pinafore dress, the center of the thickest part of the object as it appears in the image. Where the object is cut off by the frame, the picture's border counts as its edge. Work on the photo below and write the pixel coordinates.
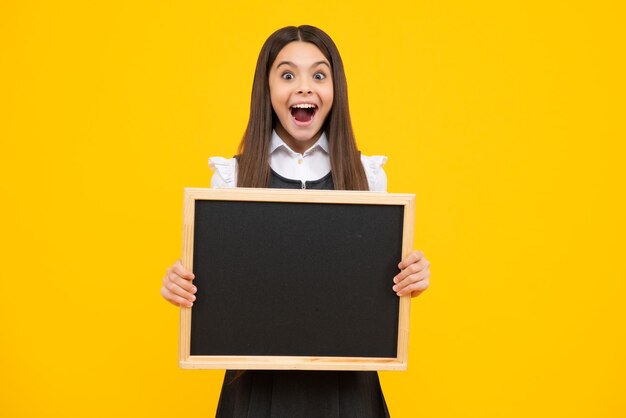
(301, 393)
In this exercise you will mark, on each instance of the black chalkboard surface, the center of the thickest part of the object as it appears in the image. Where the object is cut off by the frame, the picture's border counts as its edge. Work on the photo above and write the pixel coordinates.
(295, 279)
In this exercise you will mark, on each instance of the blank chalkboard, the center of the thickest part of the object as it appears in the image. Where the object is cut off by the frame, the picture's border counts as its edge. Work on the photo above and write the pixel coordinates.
(295, 279)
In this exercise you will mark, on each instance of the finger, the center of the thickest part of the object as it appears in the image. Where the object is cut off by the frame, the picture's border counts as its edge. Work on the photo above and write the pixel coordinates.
(414, 257)
(175, 299)
(180, 270)
(420, 265)
(183, 283)
(175, 289)
(415, 289)
(409, 280)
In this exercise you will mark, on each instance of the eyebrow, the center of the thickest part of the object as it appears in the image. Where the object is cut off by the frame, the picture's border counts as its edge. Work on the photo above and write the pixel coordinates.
(315, 64)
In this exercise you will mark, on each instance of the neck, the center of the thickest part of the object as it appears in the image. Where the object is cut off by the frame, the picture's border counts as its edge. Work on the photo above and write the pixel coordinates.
(299, 146)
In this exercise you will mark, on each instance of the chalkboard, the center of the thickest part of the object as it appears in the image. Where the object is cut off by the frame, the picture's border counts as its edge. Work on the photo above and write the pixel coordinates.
(295, 279)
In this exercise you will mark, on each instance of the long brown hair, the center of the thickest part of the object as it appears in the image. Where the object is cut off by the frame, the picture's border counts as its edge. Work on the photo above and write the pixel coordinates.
(253, 158)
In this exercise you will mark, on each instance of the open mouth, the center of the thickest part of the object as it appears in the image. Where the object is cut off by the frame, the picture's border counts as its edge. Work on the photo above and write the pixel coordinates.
(303, 113)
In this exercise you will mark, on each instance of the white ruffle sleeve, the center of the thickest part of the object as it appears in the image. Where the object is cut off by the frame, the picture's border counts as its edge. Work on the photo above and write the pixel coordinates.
(376, 177)
(224, 172)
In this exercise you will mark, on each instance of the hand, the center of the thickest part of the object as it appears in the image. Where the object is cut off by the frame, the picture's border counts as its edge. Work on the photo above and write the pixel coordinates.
(177, 287)
(414, 276)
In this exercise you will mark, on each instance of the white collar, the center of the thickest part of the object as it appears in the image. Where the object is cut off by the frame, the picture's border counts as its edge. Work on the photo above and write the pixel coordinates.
(277, 142)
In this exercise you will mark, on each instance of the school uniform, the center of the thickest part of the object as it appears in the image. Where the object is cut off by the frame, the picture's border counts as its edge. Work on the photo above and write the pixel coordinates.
(300, 393)
(308, 167)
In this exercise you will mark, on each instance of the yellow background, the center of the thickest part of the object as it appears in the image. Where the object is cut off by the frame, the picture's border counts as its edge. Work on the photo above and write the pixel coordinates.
(506, 118)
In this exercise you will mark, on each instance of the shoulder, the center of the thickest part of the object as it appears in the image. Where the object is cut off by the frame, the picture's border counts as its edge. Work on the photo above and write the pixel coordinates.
(224, 172)
(376, 177)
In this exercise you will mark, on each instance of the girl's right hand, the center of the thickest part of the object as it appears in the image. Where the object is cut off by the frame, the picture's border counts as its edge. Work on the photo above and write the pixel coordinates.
(177, 286)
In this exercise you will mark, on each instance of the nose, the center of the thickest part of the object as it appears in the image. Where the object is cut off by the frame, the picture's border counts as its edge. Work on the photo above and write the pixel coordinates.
(304, 87)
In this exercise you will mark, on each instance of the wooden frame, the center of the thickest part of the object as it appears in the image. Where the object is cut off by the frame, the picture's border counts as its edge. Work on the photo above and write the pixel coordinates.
(188, 361)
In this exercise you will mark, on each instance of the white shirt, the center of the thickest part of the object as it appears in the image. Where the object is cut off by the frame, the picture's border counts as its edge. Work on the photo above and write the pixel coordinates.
(313, 164)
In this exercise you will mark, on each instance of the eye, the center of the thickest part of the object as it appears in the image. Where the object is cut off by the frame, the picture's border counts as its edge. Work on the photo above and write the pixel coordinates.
(287, 75)
(319, 76)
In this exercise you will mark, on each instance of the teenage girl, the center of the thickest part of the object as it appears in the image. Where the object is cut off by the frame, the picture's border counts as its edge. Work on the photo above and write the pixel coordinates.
(299, 135)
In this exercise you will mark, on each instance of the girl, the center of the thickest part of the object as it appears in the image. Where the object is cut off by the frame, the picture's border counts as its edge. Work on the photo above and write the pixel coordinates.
(299, 135)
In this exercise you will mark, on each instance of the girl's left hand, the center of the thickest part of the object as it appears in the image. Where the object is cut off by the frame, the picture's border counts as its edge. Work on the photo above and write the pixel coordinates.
(414, 276)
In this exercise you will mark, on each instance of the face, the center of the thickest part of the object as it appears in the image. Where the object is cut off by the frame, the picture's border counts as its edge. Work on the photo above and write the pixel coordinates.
(301, 90)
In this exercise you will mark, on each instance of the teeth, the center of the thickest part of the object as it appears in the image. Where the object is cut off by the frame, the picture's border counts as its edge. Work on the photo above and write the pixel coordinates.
(304, 106)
